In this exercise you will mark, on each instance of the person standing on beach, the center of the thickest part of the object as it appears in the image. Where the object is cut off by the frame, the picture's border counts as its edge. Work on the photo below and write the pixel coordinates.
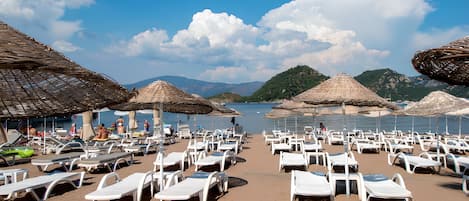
(322, 127)
(146, 125)
(73, 130)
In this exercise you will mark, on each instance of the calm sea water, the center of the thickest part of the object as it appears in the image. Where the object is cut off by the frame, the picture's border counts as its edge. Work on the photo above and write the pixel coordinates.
(253, 121)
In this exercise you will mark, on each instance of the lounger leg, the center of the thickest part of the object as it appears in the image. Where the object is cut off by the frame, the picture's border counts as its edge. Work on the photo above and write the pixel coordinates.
(33, 194)
(51, 186)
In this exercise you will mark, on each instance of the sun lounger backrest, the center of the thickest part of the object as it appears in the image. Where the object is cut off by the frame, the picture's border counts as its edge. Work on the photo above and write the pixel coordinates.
(105, 158)
(13, 136)
(59, 157)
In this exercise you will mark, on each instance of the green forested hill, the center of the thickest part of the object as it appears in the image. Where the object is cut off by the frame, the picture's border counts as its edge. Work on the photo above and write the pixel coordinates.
(385, 82)
(226, 98)
(390, 84)
(288, 84)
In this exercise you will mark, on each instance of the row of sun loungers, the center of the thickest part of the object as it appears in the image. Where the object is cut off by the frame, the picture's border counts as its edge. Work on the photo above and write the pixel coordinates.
(394, 147)
(314, 184)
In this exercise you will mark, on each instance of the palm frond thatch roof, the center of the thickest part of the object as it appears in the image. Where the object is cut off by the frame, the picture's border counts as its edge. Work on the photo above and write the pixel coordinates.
(172, 98)
(342, 89)
(449, 63)
(37, 81)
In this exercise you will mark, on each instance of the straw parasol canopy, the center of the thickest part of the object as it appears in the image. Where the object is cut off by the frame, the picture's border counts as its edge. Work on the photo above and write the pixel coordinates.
(291, 105)
(342, 89)
(172, 98)
(280, 113)
(449, 63)
(436, 103)
(37, 81)
(223, 111)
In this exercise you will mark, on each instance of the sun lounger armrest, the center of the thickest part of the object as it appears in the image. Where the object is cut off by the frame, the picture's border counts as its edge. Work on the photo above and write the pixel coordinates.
(465, 179)
(399, 180)
(452, 157)
(174, 178)
(141, 184)
(210, 179)
(104, 181)
(361, 187)
(52, 185)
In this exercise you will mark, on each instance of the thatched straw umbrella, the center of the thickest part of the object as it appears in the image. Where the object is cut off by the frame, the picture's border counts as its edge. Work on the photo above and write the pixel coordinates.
(343, 90)
(37, 81)
(437, 103)
(449, 63)
(162, 96)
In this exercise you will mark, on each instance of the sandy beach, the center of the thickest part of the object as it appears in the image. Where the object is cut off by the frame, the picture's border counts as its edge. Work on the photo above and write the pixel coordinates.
(256, 176)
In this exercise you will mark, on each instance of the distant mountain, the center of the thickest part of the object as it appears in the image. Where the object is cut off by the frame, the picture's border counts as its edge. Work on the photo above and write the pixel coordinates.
(390, 84)
(288, 84)
(202, 88)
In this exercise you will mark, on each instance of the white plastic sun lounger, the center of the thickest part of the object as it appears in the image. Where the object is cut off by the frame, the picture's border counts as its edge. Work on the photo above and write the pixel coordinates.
(379, 186)
(68, 159)
(310, 184)
(292, 159)
(131, 185)
(141, 148)
(196, 185)
(108, 160)
(214, 159)
(366, 145)
(339, 160)
(173, 158)
(414, 161)
(461, 163)
(280, 147)
(47, 181)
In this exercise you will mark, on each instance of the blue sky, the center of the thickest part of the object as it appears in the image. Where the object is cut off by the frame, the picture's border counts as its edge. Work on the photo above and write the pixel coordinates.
(238, 41)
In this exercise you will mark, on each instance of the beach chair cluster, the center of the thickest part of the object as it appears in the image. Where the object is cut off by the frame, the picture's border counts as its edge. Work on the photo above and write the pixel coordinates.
(318, 184)
(297, 153)
(110, 155)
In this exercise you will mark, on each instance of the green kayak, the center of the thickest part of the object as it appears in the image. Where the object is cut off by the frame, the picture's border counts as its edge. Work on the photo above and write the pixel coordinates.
(21, 152)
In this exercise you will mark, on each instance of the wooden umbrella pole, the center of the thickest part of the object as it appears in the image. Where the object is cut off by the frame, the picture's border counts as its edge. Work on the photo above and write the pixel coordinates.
(162, 136)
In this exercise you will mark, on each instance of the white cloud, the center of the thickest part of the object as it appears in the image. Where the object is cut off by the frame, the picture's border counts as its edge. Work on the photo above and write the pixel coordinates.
(330, 36)
(236, 74)
(43, 17)
(64, 46)
(438, 37)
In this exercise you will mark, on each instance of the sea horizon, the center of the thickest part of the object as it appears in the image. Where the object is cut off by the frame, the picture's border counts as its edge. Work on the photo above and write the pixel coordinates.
(253, 121)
